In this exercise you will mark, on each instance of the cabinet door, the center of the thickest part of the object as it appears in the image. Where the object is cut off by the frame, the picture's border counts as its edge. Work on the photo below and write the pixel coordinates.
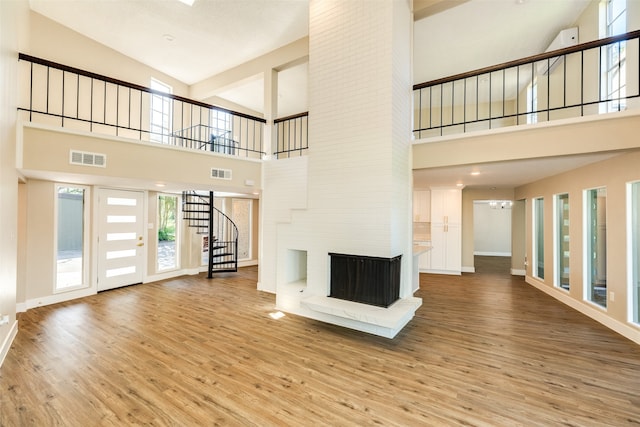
(439, 243)
(421, 206)
(424, 261)
(446, 205)
(453, 256)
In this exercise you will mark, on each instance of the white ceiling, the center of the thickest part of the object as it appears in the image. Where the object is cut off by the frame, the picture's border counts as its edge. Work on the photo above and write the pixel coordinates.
(480, 33)
(207, 38)
(215, 35)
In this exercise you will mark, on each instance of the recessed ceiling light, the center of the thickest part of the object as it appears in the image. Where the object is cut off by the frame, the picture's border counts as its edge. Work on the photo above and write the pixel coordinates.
(168, 37)
(460, 184)
(475, 173)
(187, 2)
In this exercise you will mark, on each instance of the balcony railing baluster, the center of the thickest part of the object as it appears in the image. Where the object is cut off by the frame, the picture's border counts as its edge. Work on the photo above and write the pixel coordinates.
(558, 99)
(172, 106)
(290, 143)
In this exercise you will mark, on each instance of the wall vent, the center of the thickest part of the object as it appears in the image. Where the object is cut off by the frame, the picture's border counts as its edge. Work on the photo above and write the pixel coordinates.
(218, 173)
(87, 159)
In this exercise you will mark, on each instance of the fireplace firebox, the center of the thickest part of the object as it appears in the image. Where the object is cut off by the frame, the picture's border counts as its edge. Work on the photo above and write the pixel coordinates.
(365, 279)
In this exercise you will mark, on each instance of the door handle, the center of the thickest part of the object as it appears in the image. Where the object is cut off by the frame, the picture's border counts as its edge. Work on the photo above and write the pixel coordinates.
(140, 244)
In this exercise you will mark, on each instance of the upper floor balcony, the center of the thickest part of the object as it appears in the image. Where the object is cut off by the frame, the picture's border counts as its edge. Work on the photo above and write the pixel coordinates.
(582, 80)
(58, 95)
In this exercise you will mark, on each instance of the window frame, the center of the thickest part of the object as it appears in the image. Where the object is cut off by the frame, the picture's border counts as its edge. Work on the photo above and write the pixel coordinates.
(536, 233)
(633, 252)
(165, 102)
(587, 248)
(86, 233)
(178, 222)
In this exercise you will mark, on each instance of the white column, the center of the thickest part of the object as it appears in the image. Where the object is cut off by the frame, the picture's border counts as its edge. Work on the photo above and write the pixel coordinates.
(270, 111)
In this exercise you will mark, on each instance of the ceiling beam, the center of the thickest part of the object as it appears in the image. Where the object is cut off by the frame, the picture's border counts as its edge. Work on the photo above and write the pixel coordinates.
(424, 8)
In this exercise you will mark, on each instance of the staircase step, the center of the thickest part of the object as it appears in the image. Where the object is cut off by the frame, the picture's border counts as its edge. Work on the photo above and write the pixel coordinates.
(225, 270)
(223, 254)
(223, 262)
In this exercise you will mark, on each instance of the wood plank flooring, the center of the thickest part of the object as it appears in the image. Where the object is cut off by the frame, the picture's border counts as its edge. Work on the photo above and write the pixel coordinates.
(485, 349)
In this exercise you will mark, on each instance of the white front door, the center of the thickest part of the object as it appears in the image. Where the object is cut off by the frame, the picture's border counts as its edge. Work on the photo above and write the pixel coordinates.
(120, 238)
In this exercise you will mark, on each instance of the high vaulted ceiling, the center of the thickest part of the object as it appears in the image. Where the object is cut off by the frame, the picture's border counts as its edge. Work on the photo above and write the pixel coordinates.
(192, 43)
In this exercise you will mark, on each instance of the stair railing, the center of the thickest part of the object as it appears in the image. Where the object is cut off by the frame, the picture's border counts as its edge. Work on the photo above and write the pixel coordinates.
(222, 232)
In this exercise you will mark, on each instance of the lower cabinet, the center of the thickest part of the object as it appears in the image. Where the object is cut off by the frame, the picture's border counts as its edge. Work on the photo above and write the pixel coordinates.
(446, 252)
(424, 261)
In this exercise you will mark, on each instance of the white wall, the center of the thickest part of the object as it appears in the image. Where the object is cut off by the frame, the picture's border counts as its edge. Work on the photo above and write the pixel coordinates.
(359, 130)
(492, 230)
(13, 18)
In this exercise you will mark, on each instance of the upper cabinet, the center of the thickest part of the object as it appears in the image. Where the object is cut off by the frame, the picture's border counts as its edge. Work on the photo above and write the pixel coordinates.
(446, 206)
(421, 206)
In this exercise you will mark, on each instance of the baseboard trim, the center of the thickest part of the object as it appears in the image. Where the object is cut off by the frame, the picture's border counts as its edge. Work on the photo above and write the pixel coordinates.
(518, 272)
(504, 254)
(596, 314)
(6, 345)
(21, 307)
(61, 297)
(468, 269)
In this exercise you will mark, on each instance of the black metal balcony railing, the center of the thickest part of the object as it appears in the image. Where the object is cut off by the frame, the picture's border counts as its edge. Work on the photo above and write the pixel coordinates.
(64, 96)
(292, 135)
(590, 78)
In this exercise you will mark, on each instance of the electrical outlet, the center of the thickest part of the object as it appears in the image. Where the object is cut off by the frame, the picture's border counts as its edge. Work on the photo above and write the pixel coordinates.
(612, 296)
(4, 320)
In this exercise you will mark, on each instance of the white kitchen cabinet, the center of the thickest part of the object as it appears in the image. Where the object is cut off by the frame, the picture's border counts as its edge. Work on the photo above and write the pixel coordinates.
(446, 255)
(446, 205)
(424, 261)
(421, 206)
(446, 231)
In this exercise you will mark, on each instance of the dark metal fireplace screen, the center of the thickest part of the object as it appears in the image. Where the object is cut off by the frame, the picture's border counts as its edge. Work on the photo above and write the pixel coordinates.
(365, 279)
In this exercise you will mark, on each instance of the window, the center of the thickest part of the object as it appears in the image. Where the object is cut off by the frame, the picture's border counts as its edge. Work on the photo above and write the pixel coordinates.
(160, 112)
(167, 232)
(222, 140)
(538, 238)
(71, 242)
(596, 246)
(562, 240)
(613, 22)
(532, 102)
(634, 250)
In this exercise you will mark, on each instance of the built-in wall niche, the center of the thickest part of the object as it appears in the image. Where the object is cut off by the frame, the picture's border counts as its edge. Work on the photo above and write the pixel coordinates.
(296, 268)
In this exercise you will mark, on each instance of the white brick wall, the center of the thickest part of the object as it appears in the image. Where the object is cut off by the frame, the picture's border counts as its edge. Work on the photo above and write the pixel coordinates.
(359, 181)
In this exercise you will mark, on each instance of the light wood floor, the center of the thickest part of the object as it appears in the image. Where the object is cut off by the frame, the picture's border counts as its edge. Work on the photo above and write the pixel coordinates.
(485, 349)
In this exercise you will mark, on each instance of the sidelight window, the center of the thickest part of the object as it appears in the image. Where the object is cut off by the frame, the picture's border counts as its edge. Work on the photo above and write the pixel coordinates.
(71, 241)
(167, 232)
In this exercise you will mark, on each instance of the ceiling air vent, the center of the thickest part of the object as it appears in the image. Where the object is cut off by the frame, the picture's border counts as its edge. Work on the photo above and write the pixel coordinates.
(87, 159)
(218, 173)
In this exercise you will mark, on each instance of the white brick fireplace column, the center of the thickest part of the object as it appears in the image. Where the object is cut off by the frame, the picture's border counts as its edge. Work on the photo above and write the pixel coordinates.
(359, 174)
